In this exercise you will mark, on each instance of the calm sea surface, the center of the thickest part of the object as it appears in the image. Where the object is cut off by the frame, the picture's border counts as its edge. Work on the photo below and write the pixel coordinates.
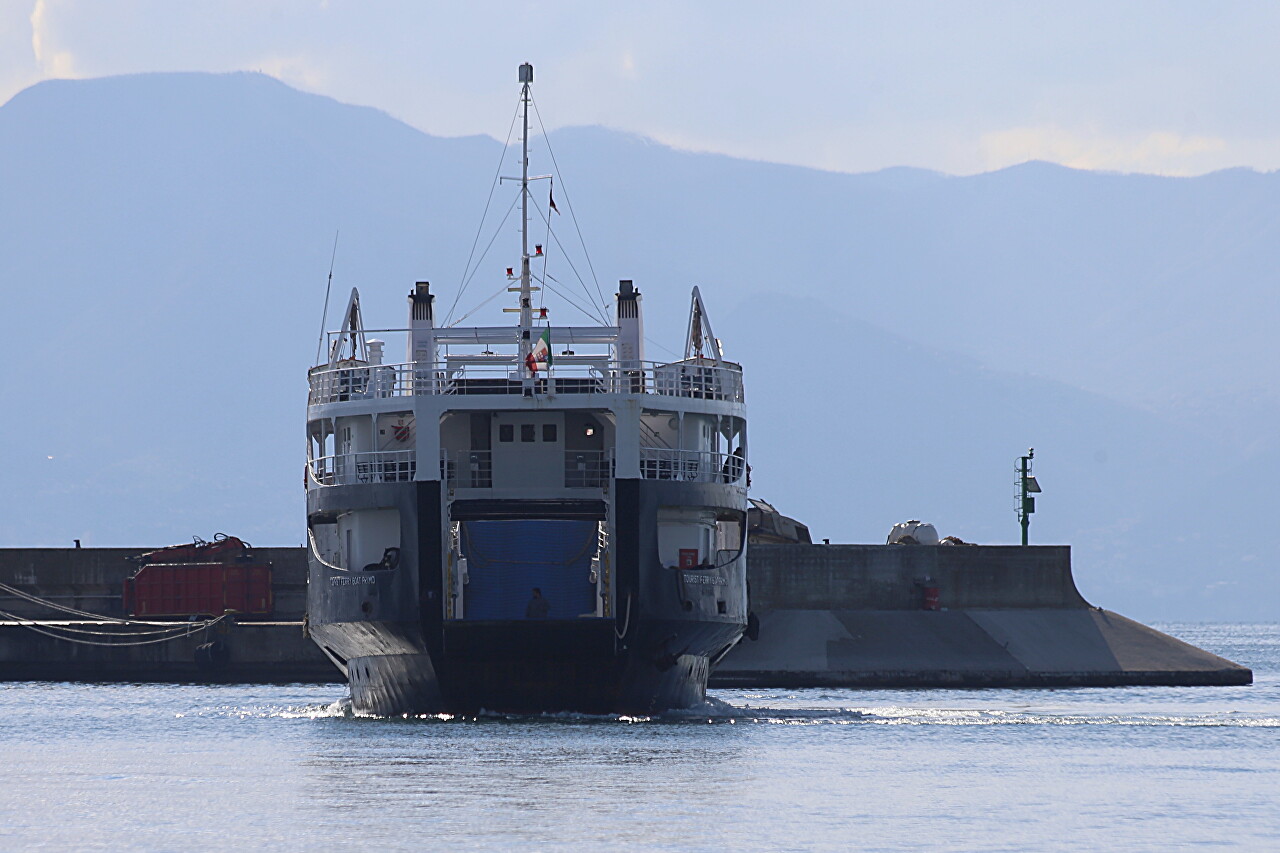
(150, 767)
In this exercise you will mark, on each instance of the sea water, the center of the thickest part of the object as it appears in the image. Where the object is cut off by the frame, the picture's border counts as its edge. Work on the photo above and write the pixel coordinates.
(181, 767)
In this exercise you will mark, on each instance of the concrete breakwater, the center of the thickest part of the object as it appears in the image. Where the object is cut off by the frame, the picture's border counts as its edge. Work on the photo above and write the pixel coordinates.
(999, 616)
(829, 615)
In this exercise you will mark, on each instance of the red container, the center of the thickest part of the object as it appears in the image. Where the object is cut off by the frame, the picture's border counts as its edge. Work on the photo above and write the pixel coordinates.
(199, 589)
(932, 598)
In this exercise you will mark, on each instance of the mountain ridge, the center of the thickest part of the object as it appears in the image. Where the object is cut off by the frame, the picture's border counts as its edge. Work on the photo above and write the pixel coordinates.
(167, 241)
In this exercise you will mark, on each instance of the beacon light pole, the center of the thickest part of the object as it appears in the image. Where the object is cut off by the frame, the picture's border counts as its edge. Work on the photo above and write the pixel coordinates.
(1027, 486)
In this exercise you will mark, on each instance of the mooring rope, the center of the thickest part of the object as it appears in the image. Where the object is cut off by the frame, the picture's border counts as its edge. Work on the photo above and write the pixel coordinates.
(178, 632)
(174, 628)
(626, 624)
(52, 605)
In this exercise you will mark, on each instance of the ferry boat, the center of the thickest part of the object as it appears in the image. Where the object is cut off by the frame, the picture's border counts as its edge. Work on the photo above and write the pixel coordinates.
(525, 517)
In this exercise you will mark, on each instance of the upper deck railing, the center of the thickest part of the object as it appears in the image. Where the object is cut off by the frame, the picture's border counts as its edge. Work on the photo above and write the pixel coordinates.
(384, 466)
(696, 378)
(473, 469)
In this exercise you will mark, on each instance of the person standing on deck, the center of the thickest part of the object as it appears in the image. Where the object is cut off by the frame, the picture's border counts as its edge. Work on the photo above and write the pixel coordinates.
(538, 607)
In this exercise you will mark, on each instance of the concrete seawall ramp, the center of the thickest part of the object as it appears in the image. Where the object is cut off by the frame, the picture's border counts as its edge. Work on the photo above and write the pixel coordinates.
(853, 616)
(974, 648)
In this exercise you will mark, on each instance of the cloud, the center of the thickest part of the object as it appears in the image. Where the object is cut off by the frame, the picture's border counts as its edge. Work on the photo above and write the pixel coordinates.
(52, 62)
(627, 65)
(1157, 152)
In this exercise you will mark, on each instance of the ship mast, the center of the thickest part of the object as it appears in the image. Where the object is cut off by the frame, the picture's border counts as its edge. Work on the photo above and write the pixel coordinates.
(526, 301)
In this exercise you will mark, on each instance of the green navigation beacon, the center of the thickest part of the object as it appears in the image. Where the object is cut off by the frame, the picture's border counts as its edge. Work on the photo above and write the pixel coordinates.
(1027, 486)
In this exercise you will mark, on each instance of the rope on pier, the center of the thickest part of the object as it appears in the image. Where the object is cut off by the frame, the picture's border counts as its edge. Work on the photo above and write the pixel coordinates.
(176, 632)
(138, 632)
(52, 605)
(171, 628)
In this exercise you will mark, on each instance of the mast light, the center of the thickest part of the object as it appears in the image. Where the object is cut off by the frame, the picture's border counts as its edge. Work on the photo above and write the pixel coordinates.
(526, 73)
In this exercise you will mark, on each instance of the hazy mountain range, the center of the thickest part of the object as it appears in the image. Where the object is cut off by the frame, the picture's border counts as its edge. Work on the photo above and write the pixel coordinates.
(165, 242)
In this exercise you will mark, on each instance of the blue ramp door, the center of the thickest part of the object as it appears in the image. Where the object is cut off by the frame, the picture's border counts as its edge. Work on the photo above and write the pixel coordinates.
(507, 559)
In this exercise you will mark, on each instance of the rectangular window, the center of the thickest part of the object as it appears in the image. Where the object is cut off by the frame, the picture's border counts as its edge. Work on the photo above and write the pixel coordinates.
(548, 432)
(527, 432)
(506, 432)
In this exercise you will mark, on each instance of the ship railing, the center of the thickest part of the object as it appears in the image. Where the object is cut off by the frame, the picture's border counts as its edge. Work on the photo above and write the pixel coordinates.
(358, 380)
(383, 466)
(587, 469)
(691, 466)
(473, 469)
(695, 378)
(467, 469)
(698, 378)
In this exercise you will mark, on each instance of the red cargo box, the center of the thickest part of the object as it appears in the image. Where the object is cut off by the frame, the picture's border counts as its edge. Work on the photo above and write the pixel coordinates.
(199, 589)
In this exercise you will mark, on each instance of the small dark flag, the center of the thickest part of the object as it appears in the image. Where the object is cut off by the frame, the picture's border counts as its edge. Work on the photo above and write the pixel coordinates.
(551, 196)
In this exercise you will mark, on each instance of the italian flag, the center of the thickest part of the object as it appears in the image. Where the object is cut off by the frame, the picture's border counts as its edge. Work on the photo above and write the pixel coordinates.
(541, 352)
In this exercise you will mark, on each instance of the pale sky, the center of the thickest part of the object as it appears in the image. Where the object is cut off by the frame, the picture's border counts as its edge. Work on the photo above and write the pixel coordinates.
(1178, 88)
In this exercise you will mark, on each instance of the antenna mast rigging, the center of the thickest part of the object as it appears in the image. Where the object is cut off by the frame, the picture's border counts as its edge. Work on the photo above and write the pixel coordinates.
(526, 301)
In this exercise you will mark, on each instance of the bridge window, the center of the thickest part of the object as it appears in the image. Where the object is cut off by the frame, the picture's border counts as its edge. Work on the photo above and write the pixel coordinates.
(506, 432)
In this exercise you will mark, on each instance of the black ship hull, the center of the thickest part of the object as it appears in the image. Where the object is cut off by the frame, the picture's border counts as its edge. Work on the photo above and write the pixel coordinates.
(389, 628)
